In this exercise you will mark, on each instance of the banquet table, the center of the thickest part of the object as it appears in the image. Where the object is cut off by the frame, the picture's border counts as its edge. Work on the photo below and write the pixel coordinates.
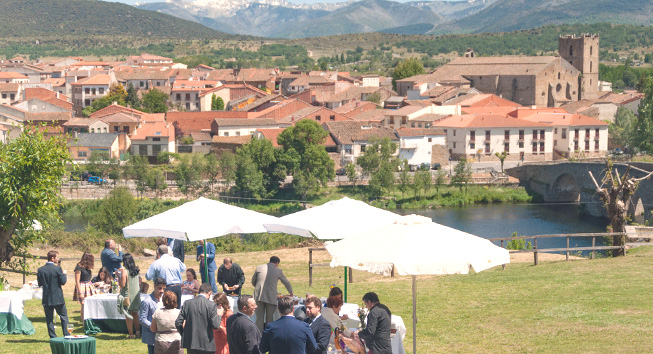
(61, 345)
(12, 318)
(102, 309)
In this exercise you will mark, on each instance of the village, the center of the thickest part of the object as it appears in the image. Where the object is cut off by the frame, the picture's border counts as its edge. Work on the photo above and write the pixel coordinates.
(539, 108)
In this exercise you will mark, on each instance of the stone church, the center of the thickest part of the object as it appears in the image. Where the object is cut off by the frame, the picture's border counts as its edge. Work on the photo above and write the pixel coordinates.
(543, 81)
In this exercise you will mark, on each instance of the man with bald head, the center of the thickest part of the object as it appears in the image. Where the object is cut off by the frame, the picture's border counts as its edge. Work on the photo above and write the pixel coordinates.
(231, 276)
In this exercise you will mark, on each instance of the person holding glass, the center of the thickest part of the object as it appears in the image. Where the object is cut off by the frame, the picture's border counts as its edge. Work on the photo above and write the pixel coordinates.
(103, 280)
(167, 339)
(191, 285)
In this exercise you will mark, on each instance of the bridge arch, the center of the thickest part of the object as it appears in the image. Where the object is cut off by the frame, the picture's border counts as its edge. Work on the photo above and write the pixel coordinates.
(564, 189)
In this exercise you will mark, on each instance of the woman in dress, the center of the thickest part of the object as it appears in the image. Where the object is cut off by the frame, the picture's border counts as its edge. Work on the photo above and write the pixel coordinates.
(103, 278)
(83, 285)
(330, 313)
(191, 285)
(220, 334)
(167, 340)
(130, 298)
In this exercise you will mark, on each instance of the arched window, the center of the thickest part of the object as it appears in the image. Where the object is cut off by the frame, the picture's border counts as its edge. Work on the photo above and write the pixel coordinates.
(92, 130)
(558, 76)
(591, 50)
(571, 50)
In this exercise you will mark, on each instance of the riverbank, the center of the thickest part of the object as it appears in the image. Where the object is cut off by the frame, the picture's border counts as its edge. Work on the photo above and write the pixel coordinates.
(555, 307)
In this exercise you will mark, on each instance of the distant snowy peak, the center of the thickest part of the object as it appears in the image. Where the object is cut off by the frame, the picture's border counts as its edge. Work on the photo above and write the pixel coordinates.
(232, 6)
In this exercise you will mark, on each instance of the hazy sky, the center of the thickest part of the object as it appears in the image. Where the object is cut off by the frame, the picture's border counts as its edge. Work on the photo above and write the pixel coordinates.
(132, 2)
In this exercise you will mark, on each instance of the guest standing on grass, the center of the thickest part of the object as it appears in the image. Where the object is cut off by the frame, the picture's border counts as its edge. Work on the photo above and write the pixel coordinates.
(129, 300)
(51, 278)
(231, 275)
(167, 339)
(148, 307)
(109, 258)
(319, 325)
(265, 280)
(209, 263)
(242, 334)
(287, 335)
(168, 268)
(220, 334)
(83, 285)
(177, 247)
(376, 334)
(196, 322)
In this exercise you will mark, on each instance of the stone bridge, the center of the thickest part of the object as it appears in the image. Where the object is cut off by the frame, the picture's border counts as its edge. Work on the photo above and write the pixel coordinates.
(570, 182)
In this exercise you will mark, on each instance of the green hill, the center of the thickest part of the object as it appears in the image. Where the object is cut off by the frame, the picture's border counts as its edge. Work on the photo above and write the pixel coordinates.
(79, 18)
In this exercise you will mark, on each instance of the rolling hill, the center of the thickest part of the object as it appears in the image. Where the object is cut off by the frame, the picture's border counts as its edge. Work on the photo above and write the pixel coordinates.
(513, 15)
(47, 18)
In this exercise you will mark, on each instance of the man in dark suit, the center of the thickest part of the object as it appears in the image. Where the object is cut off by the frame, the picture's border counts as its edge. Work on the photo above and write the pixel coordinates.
(51, 278)
(377, 331)
(109, 257)
(208, 262)
(231, 275)
(177, 248)
(319, 325)
(287, 335)
(242, 334)
(196, 322)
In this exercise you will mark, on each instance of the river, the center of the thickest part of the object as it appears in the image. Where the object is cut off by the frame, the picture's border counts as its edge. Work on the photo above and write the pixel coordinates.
(497, 220)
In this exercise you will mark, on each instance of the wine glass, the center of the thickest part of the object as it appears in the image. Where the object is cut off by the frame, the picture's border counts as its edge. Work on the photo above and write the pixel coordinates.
(70, 329)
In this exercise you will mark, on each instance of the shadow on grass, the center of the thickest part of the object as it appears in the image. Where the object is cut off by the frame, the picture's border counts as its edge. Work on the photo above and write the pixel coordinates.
(28, 341)
(112, 336)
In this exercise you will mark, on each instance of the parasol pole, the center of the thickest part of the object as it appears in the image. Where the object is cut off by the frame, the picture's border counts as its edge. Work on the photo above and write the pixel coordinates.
(206, 265)
(345, 297)
(414, 314)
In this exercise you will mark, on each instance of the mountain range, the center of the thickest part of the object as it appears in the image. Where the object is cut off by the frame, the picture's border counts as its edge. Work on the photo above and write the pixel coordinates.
(282, 19)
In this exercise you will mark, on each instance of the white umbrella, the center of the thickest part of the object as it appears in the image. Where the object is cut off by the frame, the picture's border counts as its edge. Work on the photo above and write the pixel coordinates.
(200, 219)
(415, 245)
(333, 220)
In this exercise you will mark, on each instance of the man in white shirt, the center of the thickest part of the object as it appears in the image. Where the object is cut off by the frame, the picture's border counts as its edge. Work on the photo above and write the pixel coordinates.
(168, 268)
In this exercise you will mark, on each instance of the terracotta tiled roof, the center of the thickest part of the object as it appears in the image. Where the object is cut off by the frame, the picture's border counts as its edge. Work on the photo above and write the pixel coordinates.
(488, 110)
(119, 117)
(402, 132)
(114, 108)
(9, 87)
(80, 122)
(373, 115)
(224, 75)
(523, 112)
(56, 82)
(238, 140)
(12, 75)
(484, 100)
(485, 121)
(48, 116)
(201, 136)
(255, 75)
(306, 80)
(404, 111)
(60, 103)
(153, 117)
(263, 100)
(357, 92)
(245, 122)
(42, 93)
(100, 79)
(156, 129)
(190, 122)
(353, 131)
(271, 135)
(565, 119)
(355, 107)
(142, 74)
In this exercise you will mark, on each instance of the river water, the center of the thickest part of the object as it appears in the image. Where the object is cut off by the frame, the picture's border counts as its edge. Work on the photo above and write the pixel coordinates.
(498, 220)
(501, 220)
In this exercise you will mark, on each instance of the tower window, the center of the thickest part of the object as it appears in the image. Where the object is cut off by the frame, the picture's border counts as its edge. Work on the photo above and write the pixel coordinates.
(558, 76)
(571, 50)
(590, 66)
(590, 50)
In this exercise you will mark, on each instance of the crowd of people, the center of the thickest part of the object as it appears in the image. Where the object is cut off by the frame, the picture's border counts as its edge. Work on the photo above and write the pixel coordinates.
(206, 323)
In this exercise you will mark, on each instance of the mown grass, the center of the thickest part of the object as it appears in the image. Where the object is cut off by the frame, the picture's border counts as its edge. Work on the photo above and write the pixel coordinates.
(588, 306)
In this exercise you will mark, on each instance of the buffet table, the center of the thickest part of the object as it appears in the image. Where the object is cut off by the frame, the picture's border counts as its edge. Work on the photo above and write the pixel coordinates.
(102, 310)
(12, 318)
(61, 345)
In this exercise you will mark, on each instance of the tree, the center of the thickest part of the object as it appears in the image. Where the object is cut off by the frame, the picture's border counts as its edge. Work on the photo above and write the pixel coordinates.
(117, 90)
(352, 175)
(155, 180)
(404, 180)
(31, 170)
(154, 101)
(615, 191)
(621, 131)
(440, 178)
(502, 157)
(217, 103)
(462, 174)
(137, 168)
(211, 170)
(643, 131)
(374, 97)
(132, 97)
(264, 158)
(305, 158)
(407, 68)
(378, 162)
(227, 168)
(249, 179)
(188, 172)
(422, 181)
(116, 211)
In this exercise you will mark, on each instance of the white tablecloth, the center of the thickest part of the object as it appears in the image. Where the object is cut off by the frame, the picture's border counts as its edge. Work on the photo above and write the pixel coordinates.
(11, 302)
(105, 306)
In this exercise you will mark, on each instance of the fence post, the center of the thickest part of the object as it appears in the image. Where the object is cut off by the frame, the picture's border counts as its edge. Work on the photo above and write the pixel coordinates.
(567, 257)
(593, 245)
(535, 250)
(351, 278)
(503, 266)
(310, 267)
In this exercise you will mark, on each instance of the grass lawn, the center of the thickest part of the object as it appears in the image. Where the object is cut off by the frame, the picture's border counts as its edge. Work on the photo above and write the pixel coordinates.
(587, 306)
